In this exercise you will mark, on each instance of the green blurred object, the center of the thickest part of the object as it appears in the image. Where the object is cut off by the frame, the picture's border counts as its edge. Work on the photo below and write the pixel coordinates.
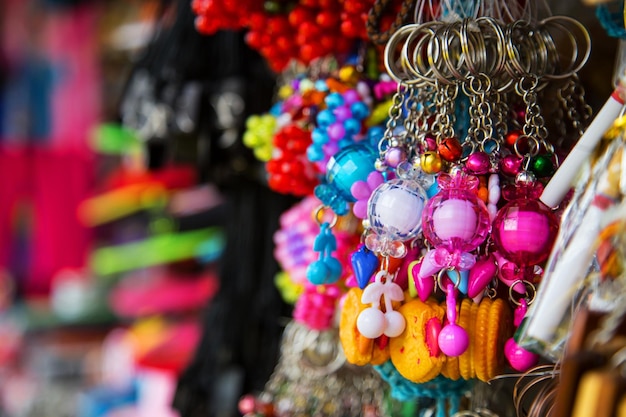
(157, 250)
(114, 139)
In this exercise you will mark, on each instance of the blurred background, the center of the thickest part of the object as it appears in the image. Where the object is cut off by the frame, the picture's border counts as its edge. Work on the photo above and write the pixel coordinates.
(133, 222)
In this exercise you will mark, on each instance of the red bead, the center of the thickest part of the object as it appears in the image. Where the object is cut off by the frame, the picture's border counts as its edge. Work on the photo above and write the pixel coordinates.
(309, 52)
(512, 136)
(200, 6)
(278, 26)
(348, 28)
(327, 19)
(309, 30)
(257, 21)
(254, 39)
(206, 25)
(300, 15)
(357, 6)
(450, 149)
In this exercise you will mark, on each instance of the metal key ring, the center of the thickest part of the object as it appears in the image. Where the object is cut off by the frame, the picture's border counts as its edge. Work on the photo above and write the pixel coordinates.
(580, 45)
(390, 50)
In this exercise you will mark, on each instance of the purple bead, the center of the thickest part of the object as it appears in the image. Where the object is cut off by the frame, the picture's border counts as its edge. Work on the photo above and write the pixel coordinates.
(351, 96)
(394, 156)
(336, 131)
(342, 113)
(331, 148)
(478, 163)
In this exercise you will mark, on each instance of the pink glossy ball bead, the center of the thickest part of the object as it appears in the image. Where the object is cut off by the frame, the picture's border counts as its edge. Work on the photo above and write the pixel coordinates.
(336, 131)
(453, 340)
(524, 231)
(520, 359)
(457, 219)
(511, 165)
(478, 163)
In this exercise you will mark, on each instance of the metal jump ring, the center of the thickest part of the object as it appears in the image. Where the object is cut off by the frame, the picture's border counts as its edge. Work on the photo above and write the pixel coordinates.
(440, 278)
(530, 298)
(319, 215)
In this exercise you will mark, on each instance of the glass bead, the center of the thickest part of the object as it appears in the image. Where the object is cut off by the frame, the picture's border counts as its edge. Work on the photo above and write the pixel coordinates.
(395, 209)
(351, 164)
(457, 218)
(524, 231)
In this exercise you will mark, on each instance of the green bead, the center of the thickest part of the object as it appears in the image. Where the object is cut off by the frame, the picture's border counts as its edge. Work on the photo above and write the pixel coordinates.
(271, 6)
(542, 166)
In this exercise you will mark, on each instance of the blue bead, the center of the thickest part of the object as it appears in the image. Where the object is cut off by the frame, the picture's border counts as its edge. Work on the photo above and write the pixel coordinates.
(352, 163)
(317, 273)
(334, 100)
(334, 269)
(325, 118)
(344, 143)
(352, 126)
(277, 109)
(359, 110)
(320, 85)
(315, 153)
(375, 134)
(319, 136)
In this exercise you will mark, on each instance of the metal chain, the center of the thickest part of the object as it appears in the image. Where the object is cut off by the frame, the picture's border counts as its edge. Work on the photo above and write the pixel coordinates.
(388, 139)
(445, 95)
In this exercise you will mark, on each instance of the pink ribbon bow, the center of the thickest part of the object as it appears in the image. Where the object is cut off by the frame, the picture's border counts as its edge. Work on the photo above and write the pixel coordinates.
(441, 258)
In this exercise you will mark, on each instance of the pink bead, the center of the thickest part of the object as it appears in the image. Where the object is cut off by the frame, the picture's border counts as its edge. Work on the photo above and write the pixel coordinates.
(453, 340)
(454, 218)
(394, 156)
(511, 165)
(478, 163)
(520, 359)
(431, 143)
(247, 404)
(524, 231)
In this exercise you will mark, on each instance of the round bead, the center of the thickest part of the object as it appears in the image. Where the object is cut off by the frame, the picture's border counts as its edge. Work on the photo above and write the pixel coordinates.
(334, 100)
(350, 97)
(456, 218)
(325, 118)
(524, 231)
(520, 359)
(342, 113)
(394, 324)
(352, 163)
(371, 323)
(450, 149)
(511, 165)
(352, 126)
(542, 166)
(395, 209)
(247, 404)
(336, 131)
(512, 137)
(359, 110)
(478, 163)
(453, 340)
(394, 156)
